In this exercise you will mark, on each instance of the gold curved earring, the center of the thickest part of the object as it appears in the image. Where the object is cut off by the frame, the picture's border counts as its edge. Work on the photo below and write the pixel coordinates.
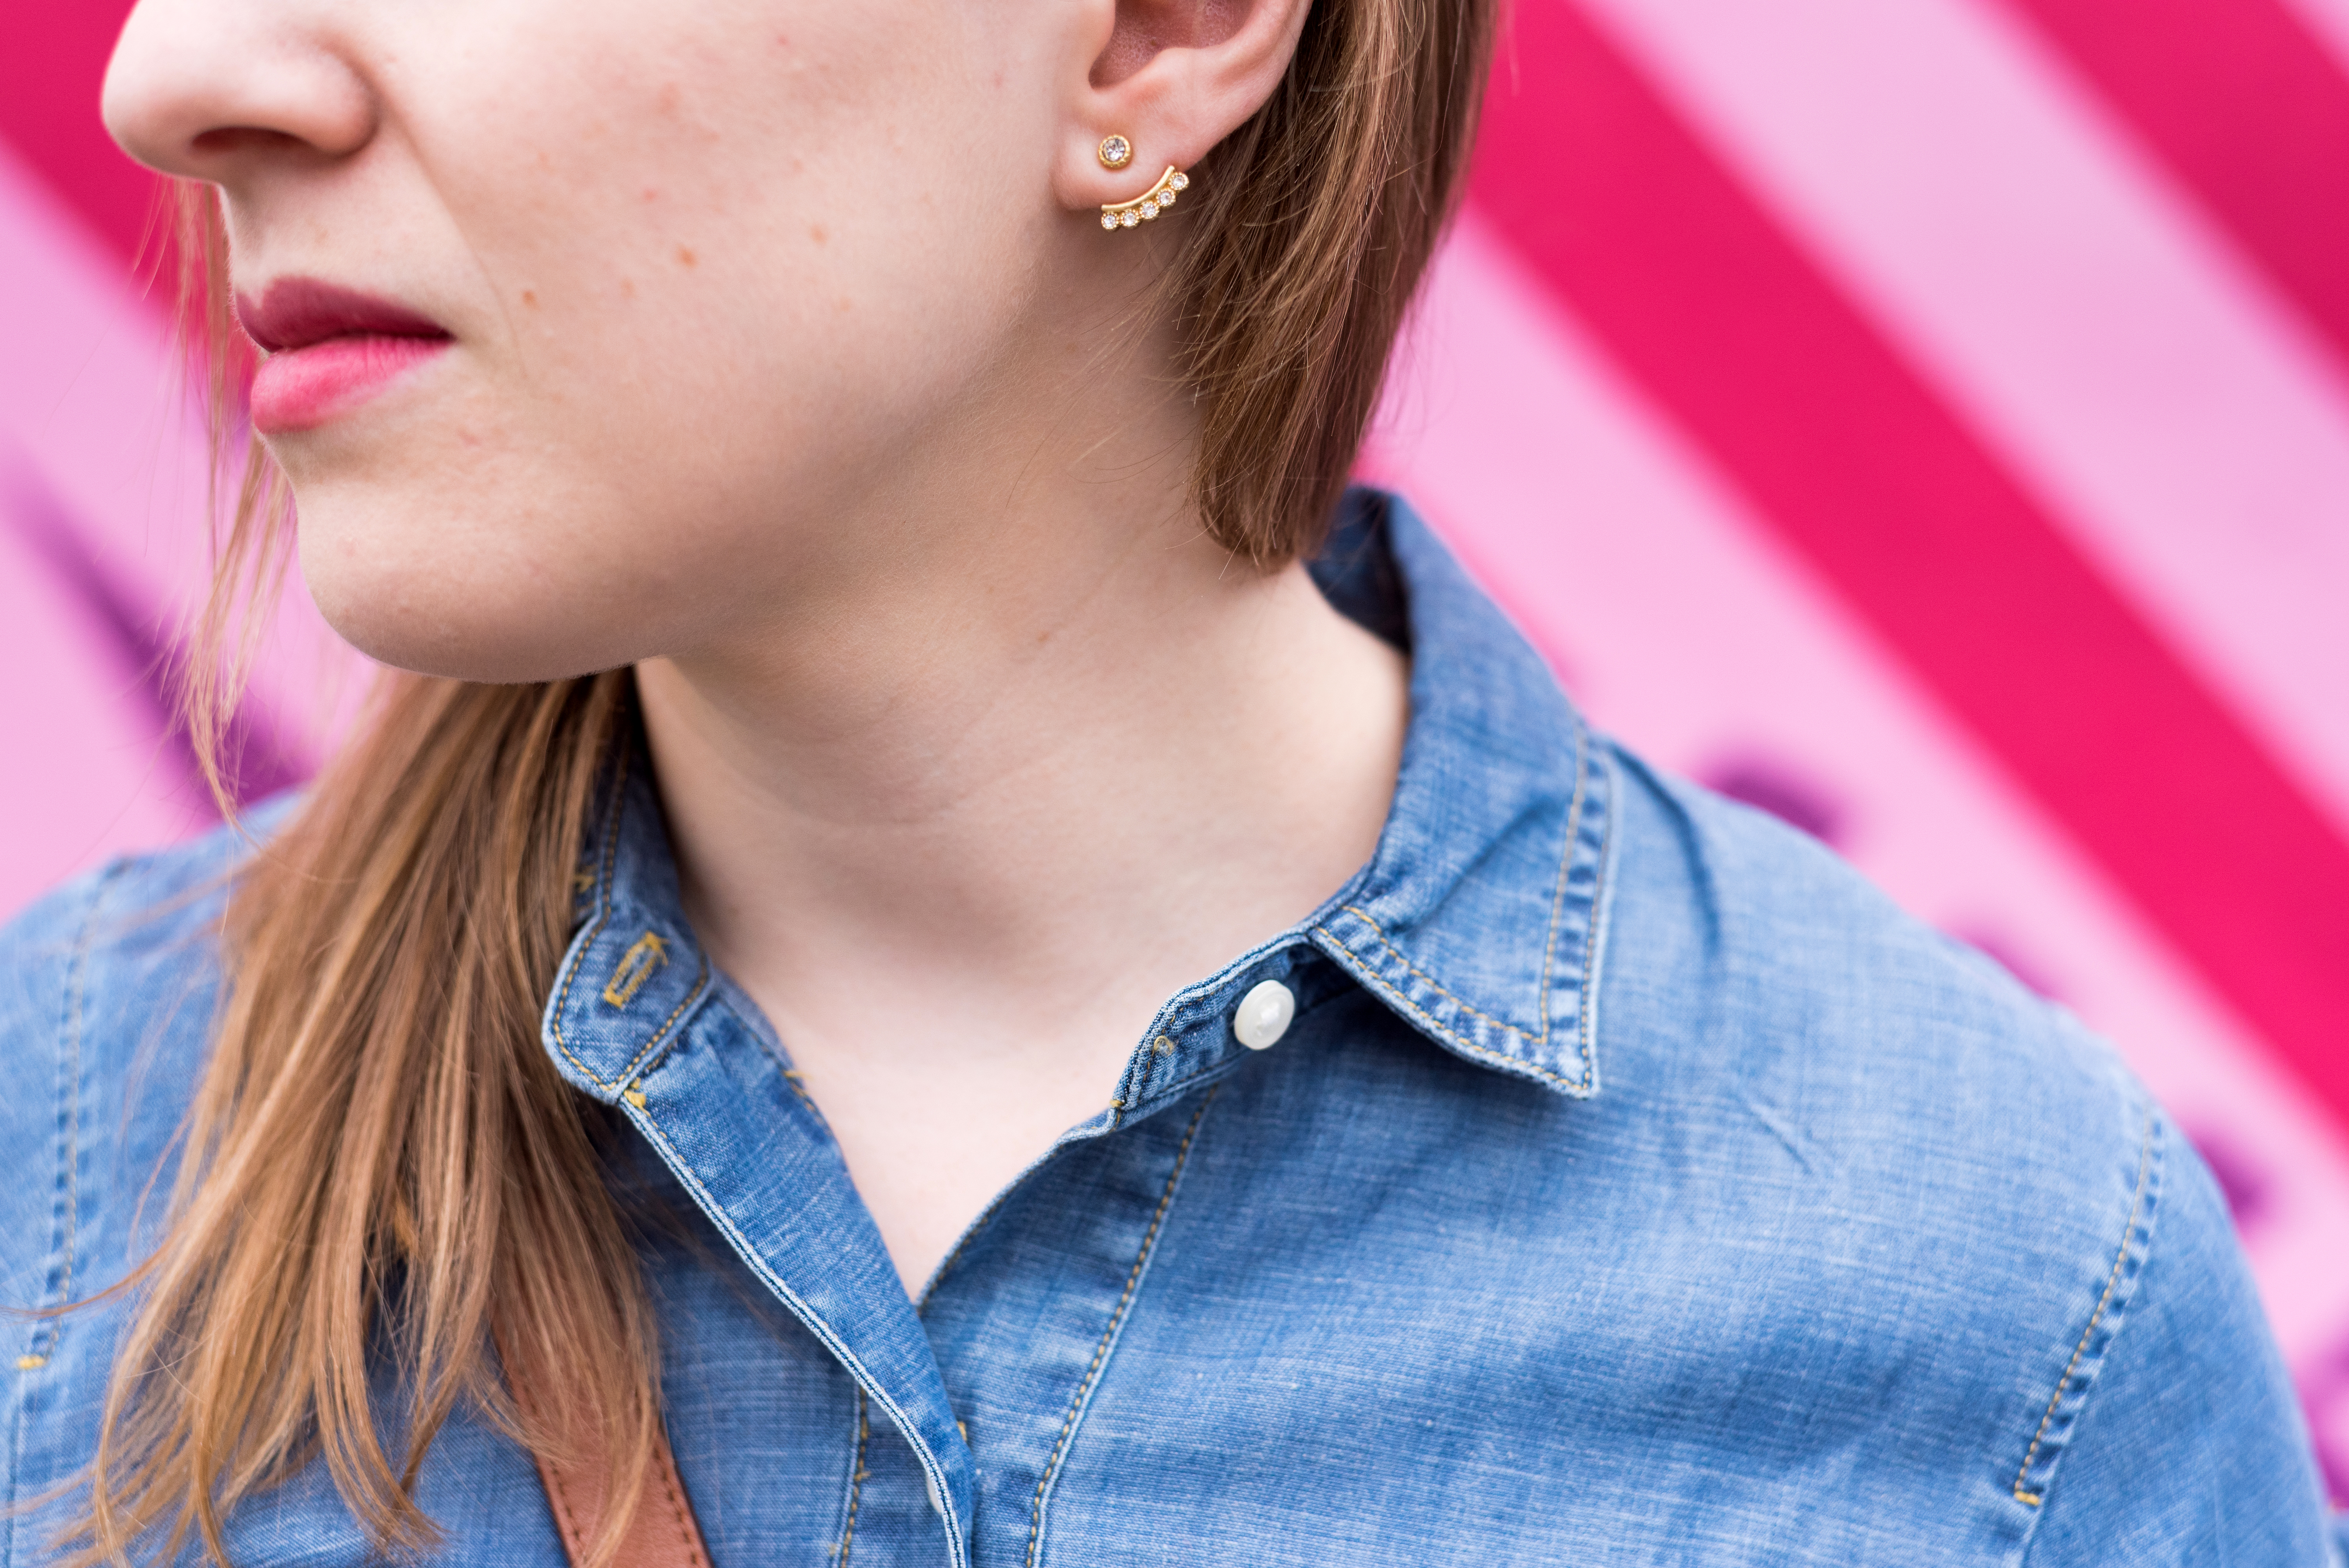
(1149, 204)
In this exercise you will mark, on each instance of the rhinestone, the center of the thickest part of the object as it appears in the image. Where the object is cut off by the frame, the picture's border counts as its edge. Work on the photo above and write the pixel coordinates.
(1109, 220)
(1181, 181)
(1166, 197)
(1129, 218)
(1116, 152)
(1150, 208)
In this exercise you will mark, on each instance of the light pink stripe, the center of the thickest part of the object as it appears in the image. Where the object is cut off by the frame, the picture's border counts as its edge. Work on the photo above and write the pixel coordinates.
(1684, 627)
(87, 393)
(2077, 308)
(87, 778)
(90, 406)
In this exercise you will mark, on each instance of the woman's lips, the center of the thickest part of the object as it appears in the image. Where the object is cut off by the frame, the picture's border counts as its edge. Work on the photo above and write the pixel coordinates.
(299, 388)
(328, 349)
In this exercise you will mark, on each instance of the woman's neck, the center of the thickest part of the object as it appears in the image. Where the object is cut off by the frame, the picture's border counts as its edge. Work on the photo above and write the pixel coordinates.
(961, 833)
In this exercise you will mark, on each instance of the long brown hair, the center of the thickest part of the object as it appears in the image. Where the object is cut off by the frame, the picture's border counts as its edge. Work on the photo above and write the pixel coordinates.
(380, 1148)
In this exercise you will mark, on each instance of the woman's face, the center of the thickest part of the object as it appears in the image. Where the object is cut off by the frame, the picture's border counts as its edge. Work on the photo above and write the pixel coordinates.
(724, 285)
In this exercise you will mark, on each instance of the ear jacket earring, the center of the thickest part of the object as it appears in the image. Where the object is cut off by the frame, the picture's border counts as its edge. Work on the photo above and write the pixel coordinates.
(1150, 203)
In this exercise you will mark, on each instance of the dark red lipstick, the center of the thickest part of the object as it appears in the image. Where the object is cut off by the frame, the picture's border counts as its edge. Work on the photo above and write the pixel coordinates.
(328, 350)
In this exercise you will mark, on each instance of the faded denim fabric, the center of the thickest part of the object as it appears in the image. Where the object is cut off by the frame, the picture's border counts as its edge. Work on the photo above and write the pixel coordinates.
(1635, 1185)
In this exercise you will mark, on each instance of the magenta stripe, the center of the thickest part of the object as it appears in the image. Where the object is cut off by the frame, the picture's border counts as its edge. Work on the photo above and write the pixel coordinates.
(52, 61)
(1730, 326)
(2247, 108)
(2113, 347)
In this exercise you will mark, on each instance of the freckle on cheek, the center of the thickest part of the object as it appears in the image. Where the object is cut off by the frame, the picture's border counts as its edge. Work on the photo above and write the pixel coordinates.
(529, 300)
(815, 233)
(686, 258)
(628, 287)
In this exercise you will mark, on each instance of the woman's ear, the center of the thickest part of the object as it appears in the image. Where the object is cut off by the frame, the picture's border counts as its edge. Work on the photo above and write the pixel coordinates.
(1174, 77)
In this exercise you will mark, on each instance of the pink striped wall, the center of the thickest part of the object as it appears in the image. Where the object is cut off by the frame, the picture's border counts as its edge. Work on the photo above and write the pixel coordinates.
(1927, 417)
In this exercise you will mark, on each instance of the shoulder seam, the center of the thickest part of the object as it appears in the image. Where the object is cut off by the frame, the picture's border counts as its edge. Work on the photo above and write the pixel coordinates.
(2136, 1238)
(66, 1211)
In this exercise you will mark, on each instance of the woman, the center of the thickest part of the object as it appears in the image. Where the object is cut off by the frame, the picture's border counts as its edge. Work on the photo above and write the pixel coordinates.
(948, 957)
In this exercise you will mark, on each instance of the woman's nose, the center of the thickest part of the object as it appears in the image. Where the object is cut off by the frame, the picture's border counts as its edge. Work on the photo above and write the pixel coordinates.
(207, 90)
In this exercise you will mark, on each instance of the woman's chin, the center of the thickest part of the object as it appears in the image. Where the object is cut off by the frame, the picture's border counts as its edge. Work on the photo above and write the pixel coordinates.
(430, 584)
(429, 633)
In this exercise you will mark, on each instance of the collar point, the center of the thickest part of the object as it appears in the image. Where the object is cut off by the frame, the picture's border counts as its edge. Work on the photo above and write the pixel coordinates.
(1559, 1057)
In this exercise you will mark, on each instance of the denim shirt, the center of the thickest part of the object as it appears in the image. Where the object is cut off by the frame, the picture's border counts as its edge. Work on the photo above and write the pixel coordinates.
(1634, 1185)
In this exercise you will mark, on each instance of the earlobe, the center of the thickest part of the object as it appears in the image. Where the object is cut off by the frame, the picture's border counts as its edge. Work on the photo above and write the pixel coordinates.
(1170, 80)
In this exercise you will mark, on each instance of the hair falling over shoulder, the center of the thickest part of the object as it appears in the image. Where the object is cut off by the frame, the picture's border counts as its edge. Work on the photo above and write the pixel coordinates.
(380, 1156)
(379, 1150)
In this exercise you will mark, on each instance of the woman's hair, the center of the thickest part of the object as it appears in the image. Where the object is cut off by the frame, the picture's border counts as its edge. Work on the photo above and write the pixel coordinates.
(379, 1150)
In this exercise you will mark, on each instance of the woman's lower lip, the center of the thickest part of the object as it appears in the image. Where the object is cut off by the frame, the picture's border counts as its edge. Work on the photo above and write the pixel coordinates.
(301, 388)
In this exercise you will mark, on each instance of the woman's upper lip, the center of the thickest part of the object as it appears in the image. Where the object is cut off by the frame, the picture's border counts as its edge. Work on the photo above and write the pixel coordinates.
(295, 313)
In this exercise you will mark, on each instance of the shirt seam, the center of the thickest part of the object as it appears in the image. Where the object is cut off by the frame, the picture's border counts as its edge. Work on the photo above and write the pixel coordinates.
(67, 1208)
(856, 1483)
(603, 917)
(668, 1028)
(1588, 1012)
(42, 1345)
(1091, 1379)
(959, 1548)
(2022, 1493)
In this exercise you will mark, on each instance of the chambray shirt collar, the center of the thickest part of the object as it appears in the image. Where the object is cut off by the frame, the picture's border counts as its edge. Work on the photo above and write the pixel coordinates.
(1478, 922)
(1479, 919)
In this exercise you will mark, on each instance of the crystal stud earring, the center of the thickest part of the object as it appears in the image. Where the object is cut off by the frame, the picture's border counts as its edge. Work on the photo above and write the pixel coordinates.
(1115, 152)
(1150, 203)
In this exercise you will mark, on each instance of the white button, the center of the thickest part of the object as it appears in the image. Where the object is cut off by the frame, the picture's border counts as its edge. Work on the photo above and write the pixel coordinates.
(1263, 1015)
